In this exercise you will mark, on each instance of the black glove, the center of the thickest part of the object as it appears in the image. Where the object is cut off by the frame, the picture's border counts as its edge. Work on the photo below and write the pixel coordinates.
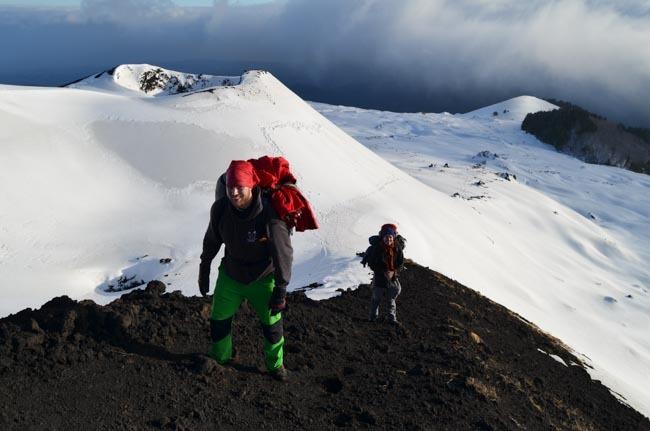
(278, 307)
(204, 280)
(278, 301)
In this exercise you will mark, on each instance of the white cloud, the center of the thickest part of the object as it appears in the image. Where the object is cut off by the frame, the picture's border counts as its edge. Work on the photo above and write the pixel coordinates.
(131, 12)
(592, 52)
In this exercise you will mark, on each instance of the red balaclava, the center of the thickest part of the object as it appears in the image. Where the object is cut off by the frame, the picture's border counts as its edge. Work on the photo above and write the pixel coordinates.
(241, 173)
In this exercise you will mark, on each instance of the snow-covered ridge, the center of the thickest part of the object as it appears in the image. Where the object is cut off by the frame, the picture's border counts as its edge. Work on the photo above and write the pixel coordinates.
(514, 109)
(152, 80)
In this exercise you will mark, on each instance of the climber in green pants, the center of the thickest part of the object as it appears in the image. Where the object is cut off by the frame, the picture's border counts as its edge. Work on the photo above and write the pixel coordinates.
(228, 295)
(256, 265)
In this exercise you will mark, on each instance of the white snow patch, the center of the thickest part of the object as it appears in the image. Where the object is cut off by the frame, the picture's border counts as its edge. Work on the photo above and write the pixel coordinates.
(556, 357)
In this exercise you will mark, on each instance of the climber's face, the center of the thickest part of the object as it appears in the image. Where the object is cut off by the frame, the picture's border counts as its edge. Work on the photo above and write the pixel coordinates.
(240, 196)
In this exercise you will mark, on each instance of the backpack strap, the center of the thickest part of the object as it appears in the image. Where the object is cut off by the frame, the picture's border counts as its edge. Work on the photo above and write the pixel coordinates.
(266, 211)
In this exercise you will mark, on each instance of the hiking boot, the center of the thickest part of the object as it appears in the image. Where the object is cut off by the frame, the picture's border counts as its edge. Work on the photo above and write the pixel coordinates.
(373, 319)
(279, 374)
(395, 322)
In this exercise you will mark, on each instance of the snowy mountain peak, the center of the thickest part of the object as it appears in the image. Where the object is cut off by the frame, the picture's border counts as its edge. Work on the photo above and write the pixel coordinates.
(151, 80)
(514, 109)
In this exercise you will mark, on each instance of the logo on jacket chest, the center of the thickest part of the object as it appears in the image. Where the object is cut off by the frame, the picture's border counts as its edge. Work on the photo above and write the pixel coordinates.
(251, 236)
(256, 234)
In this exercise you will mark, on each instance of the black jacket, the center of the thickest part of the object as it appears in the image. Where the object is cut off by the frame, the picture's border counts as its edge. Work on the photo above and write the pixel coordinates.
(374, 256)
(250, 254)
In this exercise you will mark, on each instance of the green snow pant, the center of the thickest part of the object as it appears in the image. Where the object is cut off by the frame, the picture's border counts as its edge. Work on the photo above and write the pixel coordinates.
(228, 295)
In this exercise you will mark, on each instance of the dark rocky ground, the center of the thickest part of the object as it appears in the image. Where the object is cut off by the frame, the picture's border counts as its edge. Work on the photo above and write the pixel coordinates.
(459, 362)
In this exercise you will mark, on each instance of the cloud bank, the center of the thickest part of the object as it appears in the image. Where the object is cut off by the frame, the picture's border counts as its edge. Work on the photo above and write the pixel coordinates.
(131, 12)
(408, 55)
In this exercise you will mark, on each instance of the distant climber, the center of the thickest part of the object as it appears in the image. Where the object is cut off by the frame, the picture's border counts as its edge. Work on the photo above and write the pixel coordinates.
(258, 255)
(385, 257)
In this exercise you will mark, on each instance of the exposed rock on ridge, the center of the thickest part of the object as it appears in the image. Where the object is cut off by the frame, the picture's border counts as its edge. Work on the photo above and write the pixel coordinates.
(459, 361)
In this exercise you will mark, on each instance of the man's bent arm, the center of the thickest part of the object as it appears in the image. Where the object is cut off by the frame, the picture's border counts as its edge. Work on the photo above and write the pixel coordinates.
(282, 254)
(211, 241)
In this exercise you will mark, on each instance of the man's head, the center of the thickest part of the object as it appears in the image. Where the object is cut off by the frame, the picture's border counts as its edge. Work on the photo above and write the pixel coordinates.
(387, 233)
(240, 181)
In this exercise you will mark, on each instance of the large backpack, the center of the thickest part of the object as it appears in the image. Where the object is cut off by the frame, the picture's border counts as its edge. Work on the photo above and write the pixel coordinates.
(278, 185)
(374, 241)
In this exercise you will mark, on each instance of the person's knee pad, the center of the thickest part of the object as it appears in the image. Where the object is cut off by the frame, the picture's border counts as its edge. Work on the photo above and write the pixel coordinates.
(273, 333)
(220, 329)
